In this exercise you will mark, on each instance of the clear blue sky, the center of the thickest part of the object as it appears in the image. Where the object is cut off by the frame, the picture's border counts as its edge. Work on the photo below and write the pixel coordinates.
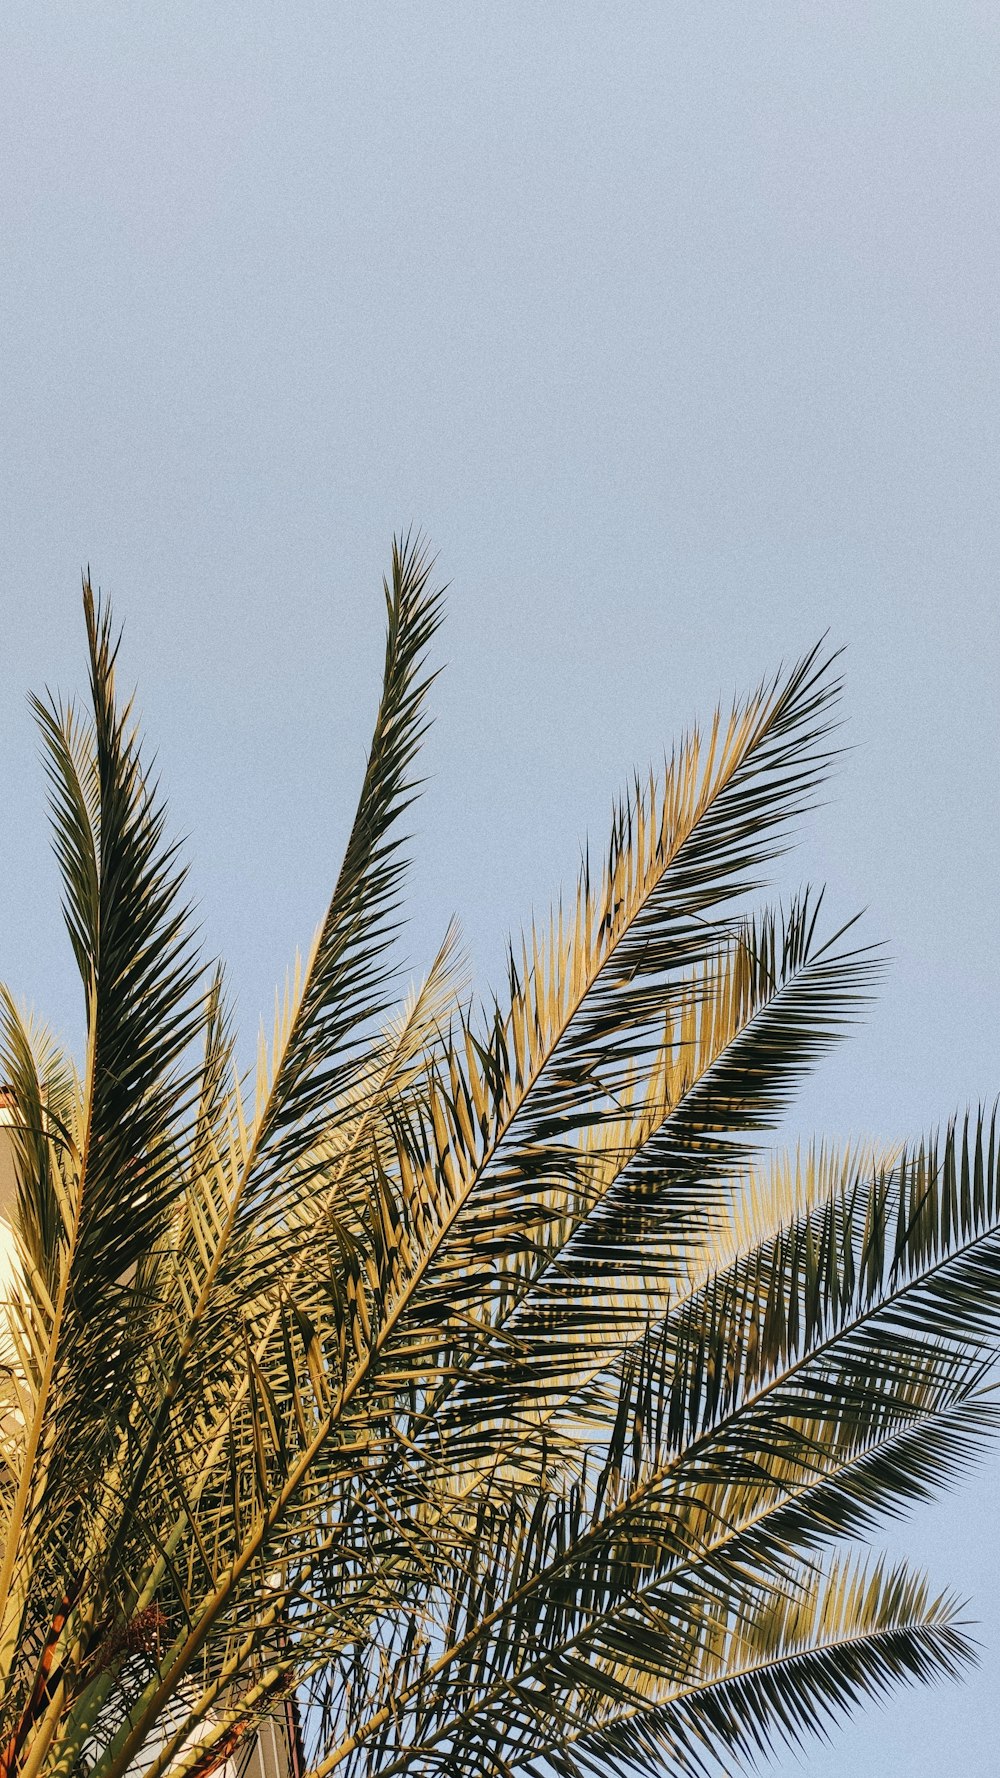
(676, 327)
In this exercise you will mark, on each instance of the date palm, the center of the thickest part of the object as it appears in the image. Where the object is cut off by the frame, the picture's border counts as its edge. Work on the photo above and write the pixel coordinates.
(469, 1390)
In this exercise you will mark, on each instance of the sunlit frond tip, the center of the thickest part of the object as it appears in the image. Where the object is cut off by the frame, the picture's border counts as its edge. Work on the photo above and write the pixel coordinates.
(807, 1656)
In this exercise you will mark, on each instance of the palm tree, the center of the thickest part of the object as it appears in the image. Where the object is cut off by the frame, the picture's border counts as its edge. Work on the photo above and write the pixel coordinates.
(469, 1391)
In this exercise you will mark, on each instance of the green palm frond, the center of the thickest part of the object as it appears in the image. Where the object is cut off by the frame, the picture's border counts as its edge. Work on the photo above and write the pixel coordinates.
(804, 1658)
(469, 1391)
(346, 985)
(115, 1164)
(860, 1388)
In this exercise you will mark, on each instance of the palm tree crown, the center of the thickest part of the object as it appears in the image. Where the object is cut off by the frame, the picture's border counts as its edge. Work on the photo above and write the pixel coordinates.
(468, 1391)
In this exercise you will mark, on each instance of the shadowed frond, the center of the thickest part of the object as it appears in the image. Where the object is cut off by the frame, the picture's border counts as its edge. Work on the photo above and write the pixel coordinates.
(114, 1167)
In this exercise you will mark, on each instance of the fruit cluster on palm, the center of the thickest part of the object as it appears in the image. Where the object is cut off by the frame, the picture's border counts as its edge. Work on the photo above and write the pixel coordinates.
(470, 1392)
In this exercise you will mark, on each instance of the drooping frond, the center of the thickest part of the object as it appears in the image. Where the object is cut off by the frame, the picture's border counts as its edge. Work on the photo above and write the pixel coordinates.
(820, 1382)
(805, 1658)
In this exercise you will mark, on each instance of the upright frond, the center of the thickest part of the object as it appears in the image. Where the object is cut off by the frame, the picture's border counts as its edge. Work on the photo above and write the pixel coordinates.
(115, 1166)
(346, 983)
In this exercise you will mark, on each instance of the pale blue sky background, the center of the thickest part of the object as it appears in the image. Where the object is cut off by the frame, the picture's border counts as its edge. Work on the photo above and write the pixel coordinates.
(676, 327)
